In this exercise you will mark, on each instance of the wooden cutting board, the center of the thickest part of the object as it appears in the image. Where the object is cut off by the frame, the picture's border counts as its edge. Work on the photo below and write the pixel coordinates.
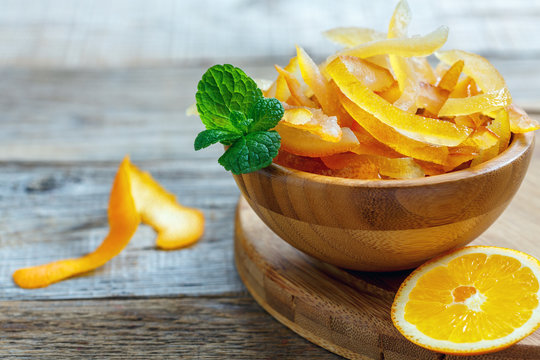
(346, 312)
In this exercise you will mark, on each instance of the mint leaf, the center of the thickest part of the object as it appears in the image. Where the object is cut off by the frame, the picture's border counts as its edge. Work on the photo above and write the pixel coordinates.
(266, 113)
(239, 121)
(235, 113)
(222, 89)
(210, 137)
(251, 152)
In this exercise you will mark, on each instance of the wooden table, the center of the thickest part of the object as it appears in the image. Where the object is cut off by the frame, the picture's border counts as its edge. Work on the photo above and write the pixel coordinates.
(82, 86)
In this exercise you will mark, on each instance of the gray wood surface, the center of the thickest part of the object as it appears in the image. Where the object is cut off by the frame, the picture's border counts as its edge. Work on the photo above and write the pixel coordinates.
(89, 33)
(224, 327)
(86, 82)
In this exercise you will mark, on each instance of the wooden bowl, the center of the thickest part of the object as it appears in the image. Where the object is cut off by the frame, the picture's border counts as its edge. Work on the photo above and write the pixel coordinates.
(385, 225)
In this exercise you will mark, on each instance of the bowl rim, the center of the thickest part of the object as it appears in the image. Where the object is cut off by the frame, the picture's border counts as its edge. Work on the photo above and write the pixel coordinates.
(520, 144)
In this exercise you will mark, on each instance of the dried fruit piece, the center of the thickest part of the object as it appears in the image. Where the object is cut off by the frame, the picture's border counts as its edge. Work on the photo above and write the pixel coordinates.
(397, 168)
(500, 128)
(431, 98)
(520, 122)
(317, 83)
(450, 78)
(413, 46)
(368, 145)
(374, 77)
(496, 94)
(135, 196)
(304, 143)
(406, 76)
(389, 136)
(433, 131)
(314, 121)
(303, 163)
(295, 89)
(353, 36)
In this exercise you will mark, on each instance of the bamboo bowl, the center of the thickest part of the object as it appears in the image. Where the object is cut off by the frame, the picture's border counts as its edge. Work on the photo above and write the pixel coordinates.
(385, 225)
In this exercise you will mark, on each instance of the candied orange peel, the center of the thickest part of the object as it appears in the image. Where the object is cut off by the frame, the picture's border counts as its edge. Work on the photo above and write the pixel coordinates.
(382, 88)
(135, 197)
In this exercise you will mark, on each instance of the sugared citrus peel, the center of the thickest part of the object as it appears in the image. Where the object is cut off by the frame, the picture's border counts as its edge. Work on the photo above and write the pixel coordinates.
(135, 197)
(471, 301)
(383, 89)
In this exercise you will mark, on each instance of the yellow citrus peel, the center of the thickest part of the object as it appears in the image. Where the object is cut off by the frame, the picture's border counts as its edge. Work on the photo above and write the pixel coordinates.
(382, 89)
(135, 197)
(433, 131)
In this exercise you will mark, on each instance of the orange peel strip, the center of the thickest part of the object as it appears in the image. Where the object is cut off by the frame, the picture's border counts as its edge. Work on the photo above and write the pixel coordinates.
(405, 75)
(374, 77)
(316, 81)
(304, 143)
(353, 36)
(432, 131)
(135, 196)
(397, 168)
(450, 78)
(314, 121)
(295, 88)
(520, 122)
(490, 81)
(387, 135)
(413, 46)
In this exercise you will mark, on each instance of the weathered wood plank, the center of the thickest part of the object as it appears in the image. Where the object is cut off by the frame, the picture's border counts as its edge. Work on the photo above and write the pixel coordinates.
(189, 328)
(63, 33)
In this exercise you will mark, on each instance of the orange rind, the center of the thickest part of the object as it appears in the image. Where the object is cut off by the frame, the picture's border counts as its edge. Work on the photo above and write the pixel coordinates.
(135, 197)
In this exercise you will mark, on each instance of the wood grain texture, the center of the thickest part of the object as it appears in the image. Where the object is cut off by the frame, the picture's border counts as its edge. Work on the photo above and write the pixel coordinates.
(347, 312)
(388, 225)
(224, 327)
(90, 33)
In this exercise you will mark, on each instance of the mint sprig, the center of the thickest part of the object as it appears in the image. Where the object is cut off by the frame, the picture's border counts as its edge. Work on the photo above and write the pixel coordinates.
(235, 113)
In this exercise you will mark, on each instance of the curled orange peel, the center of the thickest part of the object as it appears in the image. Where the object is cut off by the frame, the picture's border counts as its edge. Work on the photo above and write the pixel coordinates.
(135, 197)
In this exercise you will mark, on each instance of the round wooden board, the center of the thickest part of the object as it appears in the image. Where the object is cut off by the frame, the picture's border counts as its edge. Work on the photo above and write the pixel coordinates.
(346, 312)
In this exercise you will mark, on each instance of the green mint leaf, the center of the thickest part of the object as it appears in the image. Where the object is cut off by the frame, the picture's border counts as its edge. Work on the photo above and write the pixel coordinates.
(210, 137)
(240, 121)
(266, 113)
(251, 152)
(222, 89)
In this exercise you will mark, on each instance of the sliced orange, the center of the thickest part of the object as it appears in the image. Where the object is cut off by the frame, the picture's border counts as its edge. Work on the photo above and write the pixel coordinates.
(473, 300)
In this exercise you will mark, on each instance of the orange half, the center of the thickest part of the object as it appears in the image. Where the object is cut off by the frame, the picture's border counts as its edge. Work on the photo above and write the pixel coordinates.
(473, 300)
